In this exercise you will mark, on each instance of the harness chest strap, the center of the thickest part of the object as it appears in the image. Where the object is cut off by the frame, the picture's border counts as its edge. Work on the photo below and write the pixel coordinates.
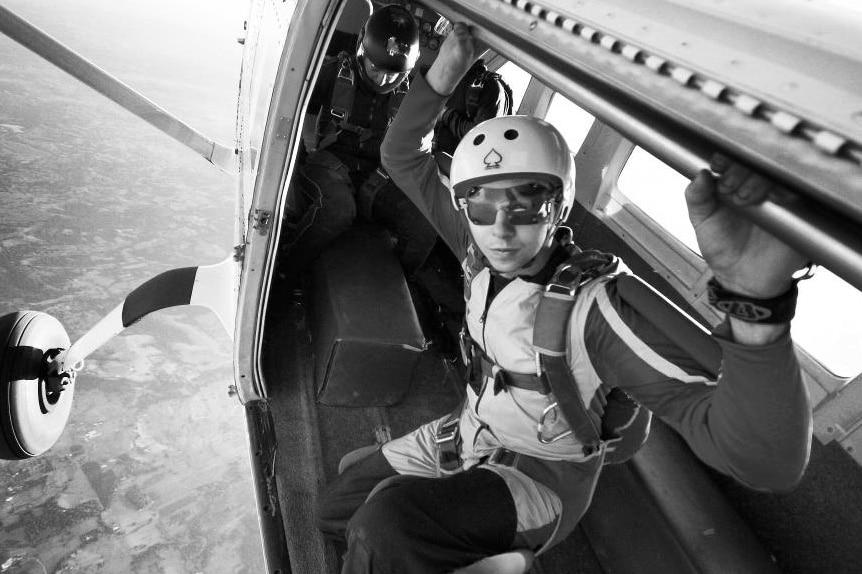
(480, 367)
(341, 105)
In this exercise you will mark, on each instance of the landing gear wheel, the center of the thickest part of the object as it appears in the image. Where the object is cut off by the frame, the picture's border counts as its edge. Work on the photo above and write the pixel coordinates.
(32, 416)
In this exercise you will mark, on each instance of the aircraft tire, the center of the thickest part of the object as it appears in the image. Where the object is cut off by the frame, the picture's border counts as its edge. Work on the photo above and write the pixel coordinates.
(31, 418)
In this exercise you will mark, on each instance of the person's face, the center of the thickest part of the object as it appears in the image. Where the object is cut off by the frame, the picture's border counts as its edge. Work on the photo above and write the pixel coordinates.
(509, 223)
(378, 76)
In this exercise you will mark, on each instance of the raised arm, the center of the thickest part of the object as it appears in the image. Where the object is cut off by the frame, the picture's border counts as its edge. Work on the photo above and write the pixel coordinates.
(406, 149)
(748, 416)
(752, 268)
(751, 418)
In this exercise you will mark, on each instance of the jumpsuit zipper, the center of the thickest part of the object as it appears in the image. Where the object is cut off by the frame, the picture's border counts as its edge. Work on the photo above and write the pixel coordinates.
(482, 320)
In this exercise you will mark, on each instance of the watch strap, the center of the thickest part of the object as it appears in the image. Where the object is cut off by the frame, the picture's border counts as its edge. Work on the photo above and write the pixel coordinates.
(779, 309)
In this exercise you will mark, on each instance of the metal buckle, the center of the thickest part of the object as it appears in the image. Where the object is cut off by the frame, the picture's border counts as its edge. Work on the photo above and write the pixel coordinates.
(448, 445)
(447, 432)
(540, 434)
(560, 287)
(344, 71)
(337, 113)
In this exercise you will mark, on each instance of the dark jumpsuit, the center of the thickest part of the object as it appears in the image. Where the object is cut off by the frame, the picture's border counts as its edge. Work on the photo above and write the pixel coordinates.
(334, 181)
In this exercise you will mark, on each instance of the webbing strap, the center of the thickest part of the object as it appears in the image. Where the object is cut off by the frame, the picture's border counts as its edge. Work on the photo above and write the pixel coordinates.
(471, 101)
(550, 335)
(343, 92)
(341, 104)
(397, 98)
(503, 378)
(448, 440)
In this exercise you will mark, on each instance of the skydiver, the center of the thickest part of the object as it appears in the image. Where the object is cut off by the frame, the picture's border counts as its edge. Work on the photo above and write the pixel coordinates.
(512, 181)
(355, 99)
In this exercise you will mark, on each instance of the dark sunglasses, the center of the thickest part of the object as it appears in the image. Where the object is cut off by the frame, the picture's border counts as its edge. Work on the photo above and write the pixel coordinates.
(533, 204)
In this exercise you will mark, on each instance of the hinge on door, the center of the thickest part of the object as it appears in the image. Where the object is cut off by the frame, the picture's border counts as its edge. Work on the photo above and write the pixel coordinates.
(261, 220)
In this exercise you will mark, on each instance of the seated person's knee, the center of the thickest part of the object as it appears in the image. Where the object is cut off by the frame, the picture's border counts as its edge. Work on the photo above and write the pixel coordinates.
(382, 523)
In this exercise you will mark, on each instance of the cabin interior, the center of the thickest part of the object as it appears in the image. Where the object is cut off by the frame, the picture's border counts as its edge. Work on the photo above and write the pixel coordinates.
(358, 354)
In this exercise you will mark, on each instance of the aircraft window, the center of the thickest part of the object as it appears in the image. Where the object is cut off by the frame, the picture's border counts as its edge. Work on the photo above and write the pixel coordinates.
(572, 121)
(658, 189)
(828, 322)
(517, 79)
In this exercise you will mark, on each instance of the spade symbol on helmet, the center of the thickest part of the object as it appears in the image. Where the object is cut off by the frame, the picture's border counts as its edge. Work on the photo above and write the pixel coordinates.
(493, 159)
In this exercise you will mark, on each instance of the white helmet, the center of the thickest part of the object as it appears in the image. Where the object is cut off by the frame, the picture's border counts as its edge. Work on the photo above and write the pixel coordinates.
(514, 147)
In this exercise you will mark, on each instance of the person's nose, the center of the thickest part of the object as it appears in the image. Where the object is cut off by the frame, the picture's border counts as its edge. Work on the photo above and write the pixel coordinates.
(502, 226)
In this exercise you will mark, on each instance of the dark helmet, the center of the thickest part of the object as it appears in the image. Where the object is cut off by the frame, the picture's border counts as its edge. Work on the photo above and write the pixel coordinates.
(389, 40)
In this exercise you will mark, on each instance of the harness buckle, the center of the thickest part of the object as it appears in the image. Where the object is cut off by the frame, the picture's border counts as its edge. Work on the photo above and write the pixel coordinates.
(338, 113)
(565, 281)
(344, 71)
(447, 431)
(448, 441)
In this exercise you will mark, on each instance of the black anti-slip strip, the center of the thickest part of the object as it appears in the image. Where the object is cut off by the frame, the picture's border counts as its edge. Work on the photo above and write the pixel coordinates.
(169, 289)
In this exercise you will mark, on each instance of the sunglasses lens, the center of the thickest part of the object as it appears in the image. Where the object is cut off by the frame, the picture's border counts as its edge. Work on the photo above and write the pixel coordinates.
(533, 206)
(482, 213)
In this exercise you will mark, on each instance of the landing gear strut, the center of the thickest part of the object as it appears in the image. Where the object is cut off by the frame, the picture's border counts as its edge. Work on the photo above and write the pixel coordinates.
(38, 364)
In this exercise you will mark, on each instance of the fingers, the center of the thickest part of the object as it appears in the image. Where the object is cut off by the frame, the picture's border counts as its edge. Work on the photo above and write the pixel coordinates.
(463, 36)
(701, 189)
(700, 197)
(738, 184)
(454, 59)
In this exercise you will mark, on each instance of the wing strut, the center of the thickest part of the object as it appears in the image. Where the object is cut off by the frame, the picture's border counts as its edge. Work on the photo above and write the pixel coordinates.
(69, 61)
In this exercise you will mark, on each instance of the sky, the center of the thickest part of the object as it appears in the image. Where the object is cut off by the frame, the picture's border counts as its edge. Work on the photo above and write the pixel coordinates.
(139, 42)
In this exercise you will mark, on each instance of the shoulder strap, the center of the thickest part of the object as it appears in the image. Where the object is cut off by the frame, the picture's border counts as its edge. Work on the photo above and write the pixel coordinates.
(474, 90)
(344, 90)
(337, 113)
(397, 98)
(549, 339)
